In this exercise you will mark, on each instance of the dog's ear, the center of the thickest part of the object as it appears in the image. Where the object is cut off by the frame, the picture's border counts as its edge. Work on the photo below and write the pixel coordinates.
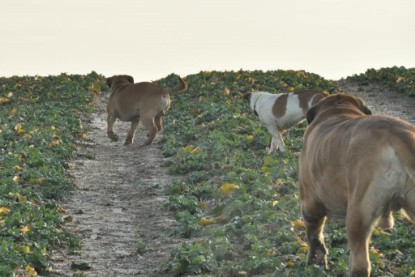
(311, 114)
(364, 108)
(130, 79)
(247, 96)
(109, 81)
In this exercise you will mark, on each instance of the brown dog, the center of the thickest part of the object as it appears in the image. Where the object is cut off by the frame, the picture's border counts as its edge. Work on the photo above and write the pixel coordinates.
(134, 102)
(357, 167)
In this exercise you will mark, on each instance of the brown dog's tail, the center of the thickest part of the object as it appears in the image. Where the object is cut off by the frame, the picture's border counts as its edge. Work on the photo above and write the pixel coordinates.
(182, 87)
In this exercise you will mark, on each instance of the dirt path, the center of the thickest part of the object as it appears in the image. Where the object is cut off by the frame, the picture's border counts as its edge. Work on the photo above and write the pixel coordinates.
(118, 208)
(381, 100)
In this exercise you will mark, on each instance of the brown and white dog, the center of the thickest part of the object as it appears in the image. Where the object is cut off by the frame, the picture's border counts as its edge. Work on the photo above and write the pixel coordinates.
(282, 110)
(134, 102)
(356, 166)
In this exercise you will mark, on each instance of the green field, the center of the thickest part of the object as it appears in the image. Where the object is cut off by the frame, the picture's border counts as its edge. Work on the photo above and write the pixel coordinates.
(238, 206)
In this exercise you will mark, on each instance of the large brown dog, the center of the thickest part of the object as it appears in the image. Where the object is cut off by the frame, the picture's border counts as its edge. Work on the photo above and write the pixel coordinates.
(356, 166)
(134, 102)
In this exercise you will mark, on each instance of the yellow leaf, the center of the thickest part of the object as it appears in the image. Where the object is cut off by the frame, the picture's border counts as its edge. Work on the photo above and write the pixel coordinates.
(303, 249)
(228, 188)
(400, 79)
(18, 168)
(26, 249)
(54, 142)
(249, 137)
(16, 179)
(4, 210)
(18, 129)
(4, 100)
(206, 221)
(226, 91)
(298, 223)
(19, 198)
(84, 136)
(26, 229)
(290, 263)
(187, 149)
(265, 169)
(30, 270)
(94, 89)
(274, 203)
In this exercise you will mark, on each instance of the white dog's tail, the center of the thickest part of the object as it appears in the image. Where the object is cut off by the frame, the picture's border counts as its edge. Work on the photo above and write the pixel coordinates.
(183, 87)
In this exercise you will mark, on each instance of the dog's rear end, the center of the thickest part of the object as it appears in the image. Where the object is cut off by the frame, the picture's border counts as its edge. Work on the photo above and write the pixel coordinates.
(143, 101)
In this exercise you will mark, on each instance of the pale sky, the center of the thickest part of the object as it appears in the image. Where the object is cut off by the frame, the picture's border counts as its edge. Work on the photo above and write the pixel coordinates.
(151, 39)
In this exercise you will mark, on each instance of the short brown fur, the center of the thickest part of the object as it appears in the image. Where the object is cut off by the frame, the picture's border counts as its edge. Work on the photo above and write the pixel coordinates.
(356, 166)
(134, 102)
(306, 95)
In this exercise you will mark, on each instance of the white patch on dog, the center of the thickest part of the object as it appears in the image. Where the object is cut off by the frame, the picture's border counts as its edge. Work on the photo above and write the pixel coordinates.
(282, 111)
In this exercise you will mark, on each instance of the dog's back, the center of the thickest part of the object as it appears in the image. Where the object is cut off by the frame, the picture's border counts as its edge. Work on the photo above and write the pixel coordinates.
(378, 150)
(287, 109)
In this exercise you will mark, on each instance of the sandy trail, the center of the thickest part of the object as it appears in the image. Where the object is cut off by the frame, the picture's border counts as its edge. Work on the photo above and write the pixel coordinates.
(117, 208)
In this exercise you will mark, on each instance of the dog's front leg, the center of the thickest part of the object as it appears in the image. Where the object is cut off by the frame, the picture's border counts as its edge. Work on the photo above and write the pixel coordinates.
(110, 127)
(131, 132)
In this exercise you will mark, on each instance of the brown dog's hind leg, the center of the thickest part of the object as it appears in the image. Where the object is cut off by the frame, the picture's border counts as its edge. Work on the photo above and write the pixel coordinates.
(314, 219)
(359, 225)
(158, 120)
(409, 207)
(152, 130)
(131, 132)
(110, 125)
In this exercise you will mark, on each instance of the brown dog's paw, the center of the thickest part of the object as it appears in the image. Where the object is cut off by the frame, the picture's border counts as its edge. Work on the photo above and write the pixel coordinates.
(128, 141)
(113, 136)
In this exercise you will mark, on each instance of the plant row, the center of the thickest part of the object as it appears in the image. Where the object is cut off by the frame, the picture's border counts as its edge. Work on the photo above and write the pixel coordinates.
(40, 123)
(400, 79)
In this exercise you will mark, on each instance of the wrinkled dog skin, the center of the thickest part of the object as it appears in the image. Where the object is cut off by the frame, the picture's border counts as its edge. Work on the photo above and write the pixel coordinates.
(281, 111)
(134, 102)
(356, 166)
